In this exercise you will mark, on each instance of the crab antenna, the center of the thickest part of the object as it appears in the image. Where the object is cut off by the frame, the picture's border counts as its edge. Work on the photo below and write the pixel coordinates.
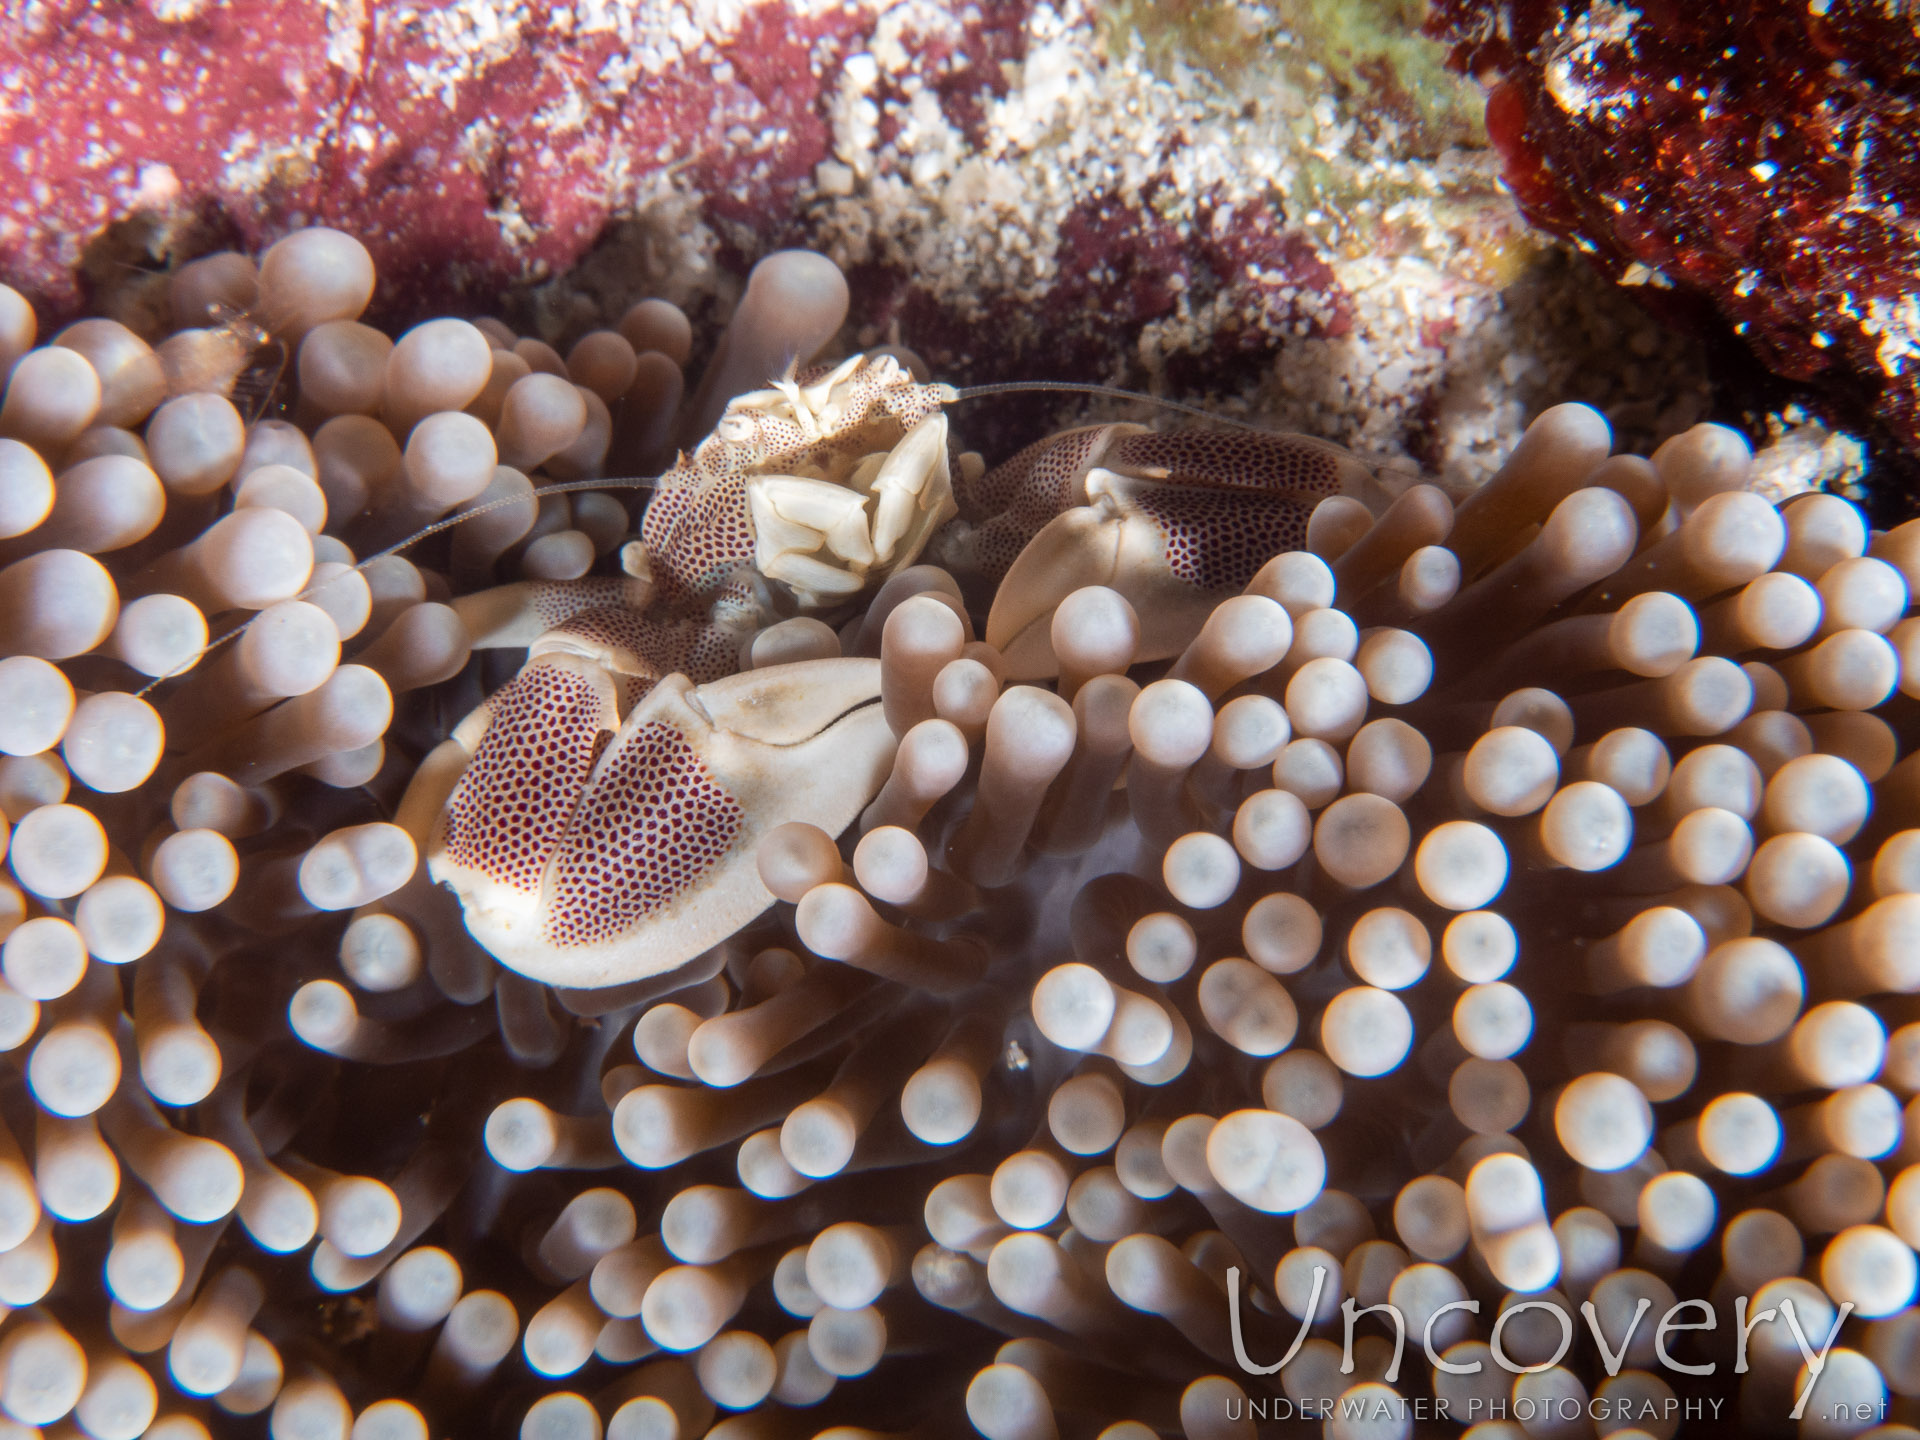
(620, 482)
(1113, 392)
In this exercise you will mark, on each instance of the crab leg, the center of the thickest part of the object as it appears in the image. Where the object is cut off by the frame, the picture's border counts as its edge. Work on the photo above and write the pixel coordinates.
(509, 616)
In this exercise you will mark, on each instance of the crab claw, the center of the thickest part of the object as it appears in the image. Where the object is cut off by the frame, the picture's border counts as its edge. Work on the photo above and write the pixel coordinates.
(1175, 523)
(586, 860)
(1135, 537)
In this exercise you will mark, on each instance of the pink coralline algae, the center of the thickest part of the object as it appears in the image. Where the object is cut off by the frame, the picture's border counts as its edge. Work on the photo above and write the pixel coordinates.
(473, 145)
(1189, 198)
(493, 144)
(1759, 155)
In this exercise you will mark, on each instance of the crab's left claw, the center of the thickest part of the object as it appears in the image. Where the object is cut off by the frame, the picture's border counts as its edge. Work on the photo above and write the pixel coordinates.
(654, 860)
(1175, 523)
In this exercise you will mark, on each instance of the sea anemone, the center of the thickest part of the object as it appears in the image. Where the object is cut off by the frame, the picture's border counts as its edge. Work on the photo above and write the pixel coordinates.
(1504, 903)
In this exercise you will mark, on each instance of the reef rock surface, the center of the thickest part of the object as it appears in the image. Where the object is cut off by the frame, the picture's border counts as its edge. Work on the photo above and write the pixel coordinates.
(1295, 204)
(1758, 155)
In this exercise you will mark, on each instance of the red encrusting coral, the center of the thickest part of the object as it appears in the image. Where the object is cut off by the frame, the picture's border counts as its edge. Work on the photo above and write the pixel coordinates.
(1759, 155)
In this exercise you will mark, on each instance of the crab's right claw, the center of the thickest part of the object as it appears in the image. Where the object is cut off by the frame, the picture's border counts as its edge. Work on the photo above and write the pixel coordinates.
(641, 854)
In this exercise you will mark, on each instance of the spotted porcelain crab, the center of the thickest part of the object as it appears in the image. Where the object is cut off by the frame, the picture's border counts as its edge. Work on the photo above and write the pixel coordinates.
(597, 816)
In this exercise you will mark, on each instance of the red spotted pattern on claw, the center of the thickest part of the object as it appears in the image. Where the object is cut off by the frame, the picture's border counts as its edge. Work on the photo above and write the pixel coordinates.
(991, 548)
(1018, 498)
(1235, 460)
(506, 816)
(1218, 540)
(662, 519)
(1013, 502)
(1041, 479)
(713, 655)
(654, 825)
